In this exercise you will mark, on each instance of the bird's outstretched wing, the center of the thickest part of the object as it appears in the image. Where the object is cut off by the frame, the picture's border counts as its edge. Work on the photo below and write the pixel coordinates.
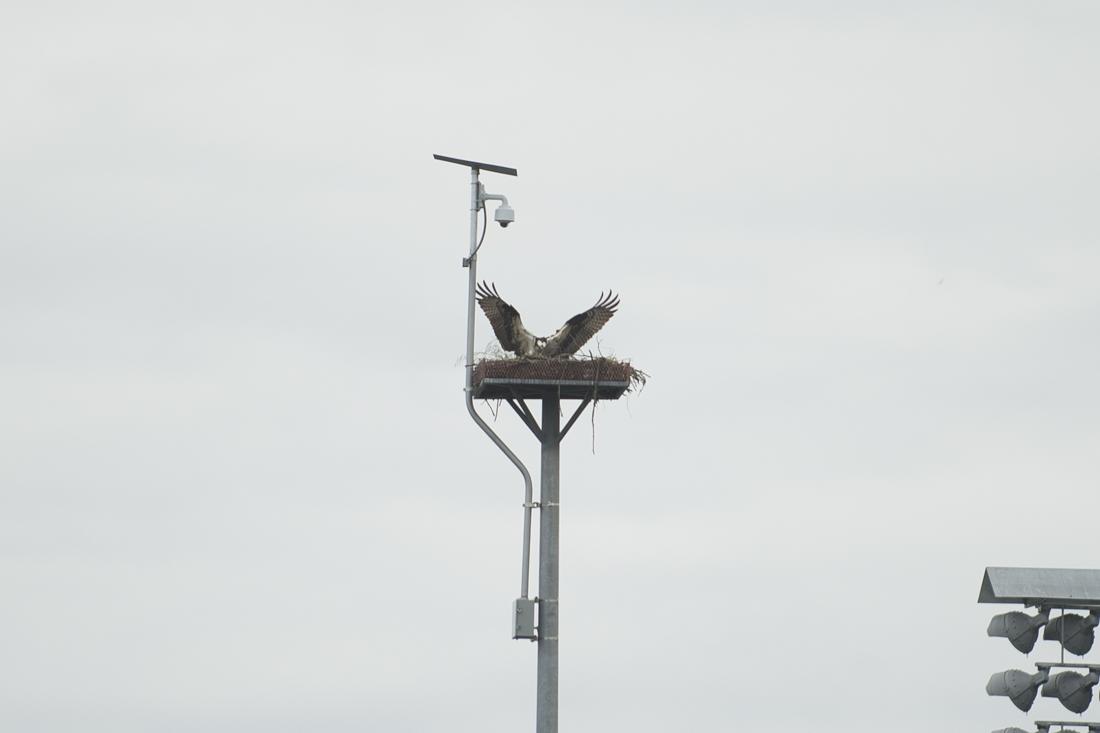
(581, 327)
(504, 319)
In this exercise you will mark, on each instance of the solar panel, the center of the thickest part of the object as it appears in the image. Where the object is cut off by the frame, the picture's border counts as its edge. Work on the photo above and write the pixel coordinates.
(480, 166)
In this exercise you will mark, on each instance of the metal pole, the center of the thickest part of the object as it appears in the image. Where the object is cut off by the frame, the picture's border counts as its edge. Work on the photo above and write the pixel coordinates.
(475, 207)
(546, 720)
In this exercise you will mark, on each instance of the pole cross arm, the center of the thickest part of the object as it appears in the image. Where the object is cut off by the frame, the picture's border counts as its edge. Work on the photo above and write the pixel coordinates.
(1069, 665)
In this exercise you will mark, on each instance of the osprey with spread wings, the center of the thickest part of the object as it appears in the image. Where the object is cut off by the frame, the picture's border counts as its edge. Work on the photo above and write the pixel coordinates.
(564, 342)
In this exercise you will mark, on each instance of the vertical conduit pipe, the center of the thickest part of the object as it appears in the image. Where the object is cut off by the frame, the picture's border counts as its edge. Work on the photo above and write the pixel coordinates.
(475, 206)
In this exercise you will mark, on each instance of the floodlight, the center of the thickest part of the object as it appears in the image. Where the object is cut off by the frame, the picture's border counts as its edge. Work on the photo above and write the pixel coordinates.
(1017, 685)
(1019, 628)
(1073, 690)
(1073, 631)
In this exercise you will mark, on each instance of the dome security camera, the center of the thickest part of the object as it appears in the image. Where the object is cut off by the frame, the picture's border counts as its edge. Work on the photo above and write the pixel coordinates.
(504, 215)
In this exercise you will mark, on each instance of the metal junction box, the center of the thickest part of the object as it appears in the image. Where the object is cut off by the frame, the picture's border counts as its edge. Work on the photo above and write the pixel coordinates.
(523, 619)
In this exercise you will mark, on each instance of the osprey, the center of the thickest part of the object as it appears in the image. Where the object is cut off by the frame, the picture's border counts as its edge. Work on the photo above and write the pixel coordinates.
(564, 342)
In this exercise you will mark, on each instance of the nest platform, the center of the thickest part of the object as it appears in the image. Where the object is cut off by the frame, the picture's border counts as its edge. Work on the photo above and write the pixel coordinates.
(567, 379)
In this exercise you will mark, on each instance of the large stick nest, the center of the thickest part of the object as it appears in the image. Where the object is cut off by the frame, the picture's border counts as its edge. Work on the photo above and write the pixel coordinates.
(565, 369)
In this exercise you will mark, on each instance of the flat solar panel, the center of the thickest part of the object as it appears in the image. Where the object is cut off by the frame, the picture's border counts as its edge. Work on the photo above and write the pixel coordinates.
(480, 166)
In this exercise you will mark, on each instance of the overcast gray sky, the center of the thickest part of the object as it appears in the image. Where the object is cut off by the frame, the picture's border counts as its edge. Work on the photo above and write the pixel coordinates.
(856, 245)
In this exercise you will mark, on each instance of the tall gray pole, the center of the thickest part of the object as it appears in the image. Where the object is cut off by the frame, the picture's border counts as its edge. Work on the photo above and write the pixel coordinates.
(546, 714)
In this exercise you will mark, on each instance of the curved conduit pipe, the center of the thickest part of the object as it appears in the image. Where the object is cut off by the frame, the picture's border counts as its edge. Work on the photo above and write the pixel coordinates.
(475, 206)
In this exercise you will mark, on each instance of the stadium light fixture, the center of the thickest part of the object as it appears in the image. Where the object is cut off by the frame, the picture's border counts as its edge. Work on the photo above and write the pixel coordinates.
(1021, 630)
(1018, 686)
(1073, 689)
(1045, 589)
(1074, 632)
